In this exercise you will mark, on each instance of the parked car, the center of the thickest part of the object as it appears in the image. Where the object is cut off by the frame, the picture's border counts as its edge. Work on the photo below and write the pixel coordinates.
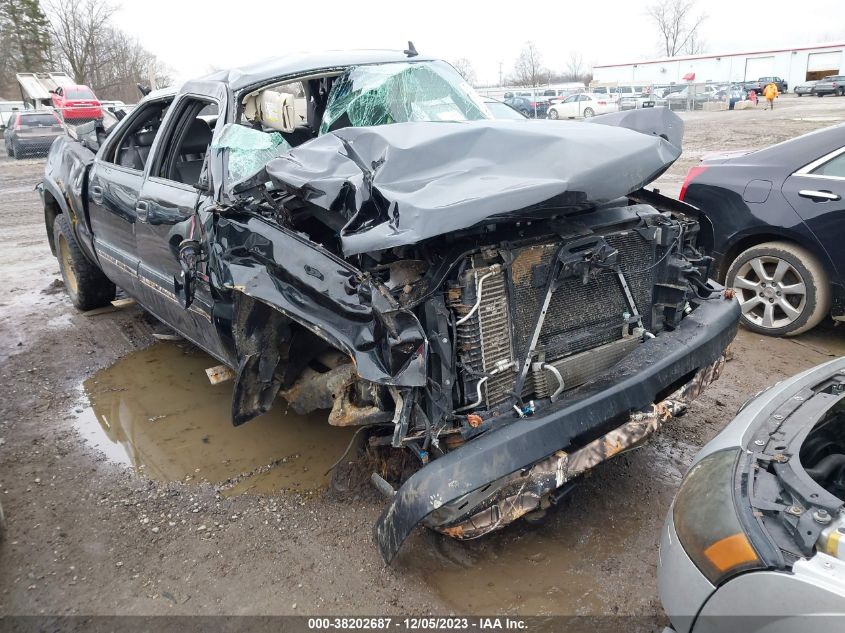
(758, 85)
(642, 101)
(417, 278)
(530, 106)
(804, 88)
(76, 104)
(502, 110)
(731, 94)
(582, 106)
(31, 132)
(776, 229)
(830, 85)
(753, 540)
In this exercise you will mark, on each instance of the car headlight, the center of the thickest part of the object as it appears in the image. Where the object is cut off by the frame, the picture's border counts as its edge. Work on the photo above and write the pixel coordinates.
(706, 520)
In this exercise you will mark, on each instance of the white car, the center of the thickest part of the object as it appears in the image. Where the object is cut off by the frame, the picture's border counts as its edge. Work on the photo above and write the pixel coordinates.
(583, 105)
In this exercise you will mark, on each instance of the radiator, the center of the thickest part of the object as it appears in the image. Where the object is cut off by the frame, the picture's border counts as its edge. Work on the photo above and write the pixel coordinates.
(584, 332)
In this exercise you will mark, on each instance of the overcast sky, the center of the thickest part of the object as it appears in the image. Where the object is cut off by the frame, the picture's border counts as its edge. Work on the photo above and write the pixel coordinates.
(194, 37)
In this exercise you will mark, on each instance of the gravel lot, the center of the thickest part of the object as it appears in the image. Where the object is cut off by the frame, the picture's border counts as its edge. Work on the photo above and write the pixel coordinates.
(89, 535)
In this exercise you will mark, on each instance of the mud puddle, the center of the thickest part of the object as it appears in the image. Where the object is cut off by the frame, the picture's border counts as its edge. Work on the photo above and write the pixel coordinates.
(573, 562)
(156, 411)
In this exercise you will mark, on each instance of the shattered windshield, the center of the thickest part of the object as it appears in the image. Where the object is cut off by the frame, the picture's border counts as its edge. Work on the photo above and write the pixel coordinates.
(247, 150)
(396, 93)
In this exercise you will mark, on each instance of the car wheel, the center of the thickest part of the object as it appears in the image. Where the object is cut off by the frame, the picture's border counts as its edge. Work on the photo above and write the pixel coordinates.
(588, 112)
(553, 114)
(86, 285)
(782, 288)
(840, 92)
(819, 95)
(15, 151)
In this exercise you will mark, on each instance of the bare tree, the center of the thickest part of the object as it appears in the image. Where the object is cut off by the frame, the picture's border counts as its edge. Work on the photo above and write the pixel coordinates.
(528, 69)
(98, 54)
(574, 67)
(465, 69)
(677, 25)
(78, 28)
(695, 45)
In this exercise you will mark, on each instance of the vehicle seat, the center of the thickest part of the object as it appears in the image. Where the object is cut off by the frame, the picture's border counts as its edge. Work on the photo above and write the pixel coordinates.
(192, 152)
(137, 149)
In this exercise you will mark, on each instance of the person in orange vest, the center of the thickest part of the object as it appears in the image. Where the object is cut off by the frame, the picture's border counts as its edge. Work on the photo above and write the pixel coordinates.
(771, 93)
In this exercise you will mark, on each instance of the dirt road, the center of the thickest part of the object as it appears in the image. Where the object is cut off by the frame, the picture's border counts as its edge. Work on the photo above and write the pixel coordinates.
(127, 492)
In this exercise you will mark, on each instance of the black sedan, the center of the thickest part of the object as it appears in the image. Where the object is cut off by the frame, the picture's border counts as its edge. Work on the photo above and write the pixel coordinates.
(777, 229)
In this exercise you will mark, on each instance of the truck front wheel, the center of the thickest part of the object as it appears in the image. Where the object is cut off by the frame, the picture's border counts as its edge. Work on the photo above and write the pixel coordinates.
(86, 285)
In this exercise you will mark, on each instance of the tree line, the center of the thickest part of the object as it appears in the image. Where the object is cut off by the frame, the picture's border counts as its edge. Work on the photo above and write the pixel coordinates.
(79, 38)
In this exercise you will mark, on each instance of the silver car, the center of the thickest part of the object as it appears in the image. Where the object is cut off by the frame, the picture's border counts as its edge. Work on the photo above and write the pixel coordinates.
(32, 132)
(755, 538)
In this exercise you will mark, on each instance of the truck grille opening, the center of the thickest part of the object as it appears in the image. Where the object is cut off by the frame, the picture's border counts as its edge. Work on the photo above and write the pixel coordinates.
(586, 329)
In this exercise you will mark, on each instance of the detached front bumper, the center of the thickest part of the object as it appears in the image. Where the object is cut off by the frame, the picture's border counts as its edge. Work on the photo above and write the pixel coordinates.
(649, 385)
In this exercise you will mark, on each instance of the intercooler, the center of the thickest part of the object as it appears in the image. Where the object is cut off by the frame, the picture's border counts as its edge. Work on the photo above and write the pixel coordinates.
(585, 331)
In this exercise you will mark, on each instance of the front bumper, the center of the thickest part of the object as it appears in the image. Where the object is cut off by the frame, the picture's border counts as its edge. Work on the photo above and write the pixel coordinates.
(657, 368)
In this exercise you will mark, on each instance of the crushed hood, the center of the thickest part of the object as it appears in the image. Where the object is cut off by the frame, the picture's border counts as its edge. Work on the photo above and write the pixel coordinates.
(407, 182)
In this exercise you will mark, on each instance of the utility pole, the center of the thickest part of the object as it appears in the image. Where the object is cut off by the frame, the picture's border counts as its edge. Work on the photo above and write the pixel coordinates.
(500, 73)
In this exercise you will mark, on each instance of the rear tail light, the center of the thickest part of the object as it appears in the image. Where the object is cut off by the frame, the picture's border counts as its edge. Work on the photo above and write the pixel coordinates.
(692, 174)
(602, 102)
(18, 123)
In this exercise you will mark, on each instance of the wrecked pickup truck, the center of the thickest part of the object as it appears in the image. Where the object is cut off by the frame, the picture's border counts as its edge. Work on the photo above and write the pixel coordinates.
(501, 304)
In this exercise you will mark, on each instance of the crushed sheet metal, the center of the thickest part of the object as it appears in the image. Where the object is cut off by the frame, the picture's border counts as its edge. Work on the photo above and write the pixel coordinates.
(526, 491)
(698, 341)
(403, 183)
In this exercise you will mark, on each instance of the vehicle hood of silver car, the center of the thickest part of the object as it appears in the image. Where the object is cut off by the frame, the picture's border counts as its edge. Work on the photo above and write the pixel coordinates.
(402, 183)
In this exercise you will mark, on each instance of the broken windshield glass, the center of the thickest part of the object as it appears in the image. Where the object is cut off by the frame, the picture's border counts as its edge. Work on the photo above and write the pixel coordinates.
(397, 93)
(248, 150)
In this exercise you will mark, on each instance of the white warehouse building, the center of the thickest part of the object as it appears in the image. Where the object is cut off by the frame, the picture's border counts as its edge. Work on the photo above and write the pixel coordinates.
(795, 65)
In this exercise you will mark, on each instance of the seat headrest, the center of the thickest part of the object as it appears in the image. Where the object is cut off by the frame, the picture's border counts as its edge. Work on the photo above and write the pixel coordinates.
(198, 138)
(145, 139)
(272, 109)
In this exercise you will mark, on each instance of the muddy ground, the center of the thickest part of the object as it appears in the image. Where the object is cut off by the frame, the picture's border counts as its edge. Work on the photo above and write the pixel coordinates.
(126, 492)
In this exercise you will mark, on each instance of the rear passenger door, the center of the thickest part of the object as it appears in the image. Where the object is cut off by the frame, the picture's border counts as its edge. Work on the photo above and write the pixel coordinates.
(817, 193)
(114, 185)
(168, 215)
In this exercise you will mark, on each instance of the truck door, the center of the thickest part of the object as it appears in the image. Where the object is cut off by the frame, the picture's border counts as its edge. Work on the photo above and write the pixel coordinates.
(171, 212)
(817, 193)
(114, 185)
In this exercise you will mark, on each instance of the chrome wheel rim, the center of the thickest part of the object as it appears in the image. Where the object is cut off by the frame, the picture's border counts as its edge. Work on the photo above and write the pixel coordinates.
(771, 291)
(588, 113)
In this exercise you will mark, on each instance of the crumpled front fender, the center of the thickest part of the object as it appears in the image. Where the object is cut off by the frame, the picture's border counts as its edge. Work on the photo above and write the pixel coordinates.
(324, 294)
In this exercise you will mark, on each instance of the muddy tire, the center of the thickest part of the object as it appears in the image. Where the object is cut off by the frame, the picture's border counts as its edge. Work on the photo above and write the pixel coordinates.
(782, 288)
(86, 285)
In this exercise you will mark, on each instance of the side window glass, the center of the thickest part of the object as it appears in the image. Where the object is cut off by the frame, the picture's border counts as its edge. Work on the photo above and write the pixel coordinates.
(137, 138)
(834, 168)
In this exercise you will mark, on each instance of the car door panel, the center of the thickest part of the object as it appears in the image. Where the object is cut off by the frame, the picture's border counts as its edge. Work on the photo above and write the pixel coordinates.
(820, 202)
(112, 195)
(168, 214)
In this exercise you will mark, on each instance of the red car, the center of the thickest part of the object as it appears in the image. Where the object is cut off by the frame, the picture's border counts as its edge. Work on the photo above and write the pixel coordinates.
(76, 103)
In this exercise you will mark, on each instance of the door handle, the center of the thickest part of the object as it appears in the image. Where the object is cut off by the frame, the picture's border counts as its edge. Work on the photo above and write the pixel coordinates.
(97, 194)
(141, 209)
(819, 196)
